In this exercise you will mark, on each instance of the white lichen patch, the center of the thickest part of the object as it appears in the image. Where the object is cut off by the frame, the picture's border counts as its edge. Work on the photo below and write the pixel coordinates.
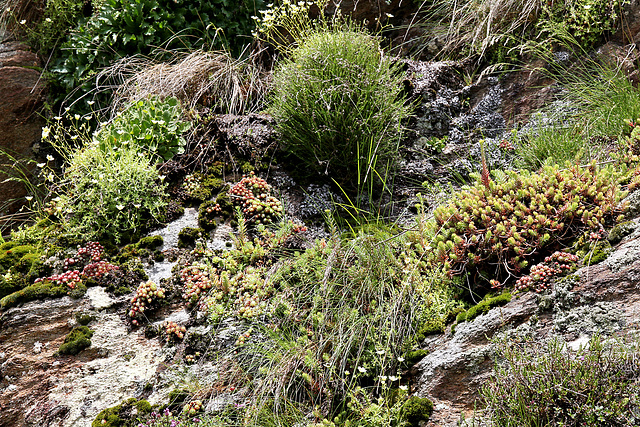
(131, 362)
(600, 317)
(99, 298)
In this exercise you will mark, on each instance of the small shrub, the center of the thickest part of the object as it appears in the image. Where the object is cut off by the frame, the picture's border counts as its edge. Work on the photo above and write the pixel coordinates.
(152, 125)
(548, 384)
(111, 193)
(338, 104)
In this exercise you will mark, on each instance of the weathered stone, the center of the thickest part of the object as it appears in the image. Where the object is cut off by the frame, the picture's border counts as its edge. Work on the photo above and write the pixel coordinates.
(22, 92)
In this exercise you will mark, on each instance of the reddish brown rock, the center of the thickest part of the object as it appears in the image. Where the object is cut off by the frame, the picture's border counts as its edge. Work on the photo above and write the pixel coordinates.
(22, 92)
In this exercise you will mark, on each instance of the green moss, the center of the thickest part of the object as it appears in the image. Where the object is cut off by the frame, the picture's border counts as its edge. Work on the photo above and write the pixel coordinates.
(617, 233)
(143, 406)
(122, 415)
(591, 251)
(483, 306)
(40, 290)
(150, 242)
(11, 256)
(84, 319)
(208, 185)
(414, 356)
(188, 236)
(78, 339)
(416, 410)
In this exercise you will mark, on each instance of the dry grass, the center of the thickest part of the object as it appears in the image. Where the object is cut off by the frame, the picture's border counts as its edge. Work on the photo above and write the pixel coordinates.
(209, 79)
(482, 23)
(14, 11)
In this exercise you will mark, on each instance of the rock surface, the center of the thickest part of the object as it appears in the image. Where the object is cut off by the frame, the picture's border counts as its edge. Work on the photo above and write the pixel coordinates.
(602, 298)
(20, 123)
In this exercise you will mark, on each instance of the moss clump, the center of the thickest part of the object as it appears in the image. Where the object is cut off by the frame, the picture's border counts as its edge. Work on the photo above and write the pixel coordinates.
(620, 231)
(417, 409)
(591, 251)
(122, 415)
(150, 242)
(188, 236)
(78, 339)
(84, 319)
(45, 289)
(483, 307)
(414, 356)
(19, 266)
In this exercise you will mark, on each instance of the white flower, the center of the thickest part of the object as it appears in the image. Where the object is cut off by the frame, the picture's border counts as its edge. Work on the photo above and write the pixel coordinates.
(58, 118)
(383, 378)
(403, 388)
(380, 352)
(393, 378)
(48, 19)
(120, 207)
(162, 177)
(76, 116)
(45, 132)
(137, 205)
(400, 359)
(24, 21)
(91, 102)
(29, 198)
(50, 158)
(41, 165)
(362, 369)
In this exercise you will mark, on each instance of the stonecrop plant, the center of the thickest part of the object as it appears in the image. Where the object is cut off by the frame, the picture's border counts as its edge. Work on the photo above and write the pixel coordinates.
(493, 230)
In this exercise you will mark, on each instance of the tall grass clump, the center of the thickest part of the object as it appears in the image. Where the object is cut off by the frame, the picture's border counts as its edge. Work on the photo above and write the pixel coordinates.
(538, 384)
(554, 143)
(338, 105)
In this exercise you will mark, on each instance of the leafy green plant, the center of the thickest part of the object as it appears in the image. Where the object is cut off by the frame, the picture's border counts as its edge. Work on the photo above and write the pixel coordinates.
(541, 384)
(122, 28)
(151, 125)
(493, 230)
(338, 105)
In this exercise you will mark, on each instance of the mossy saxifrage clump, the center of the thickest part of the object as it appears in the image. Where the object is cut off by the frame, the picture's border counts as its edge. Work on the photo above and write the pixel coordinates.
(494, 230)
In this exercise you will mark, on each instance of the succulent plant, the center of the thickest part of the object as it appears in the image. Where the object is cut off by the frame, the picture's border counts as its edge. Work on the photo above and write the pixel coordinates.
(495, 229)
(252, 195)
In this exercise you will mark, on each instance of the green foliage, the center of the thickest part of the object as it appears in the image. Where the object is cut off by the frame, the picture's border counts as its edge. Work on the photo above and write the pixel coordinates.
(338, 105)
(77, 340)
(487, 303)
(45, 28)
(541, 384)
(111, 193)
(586, 20)
(494, 231)
(122, 28)
(152, 125)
